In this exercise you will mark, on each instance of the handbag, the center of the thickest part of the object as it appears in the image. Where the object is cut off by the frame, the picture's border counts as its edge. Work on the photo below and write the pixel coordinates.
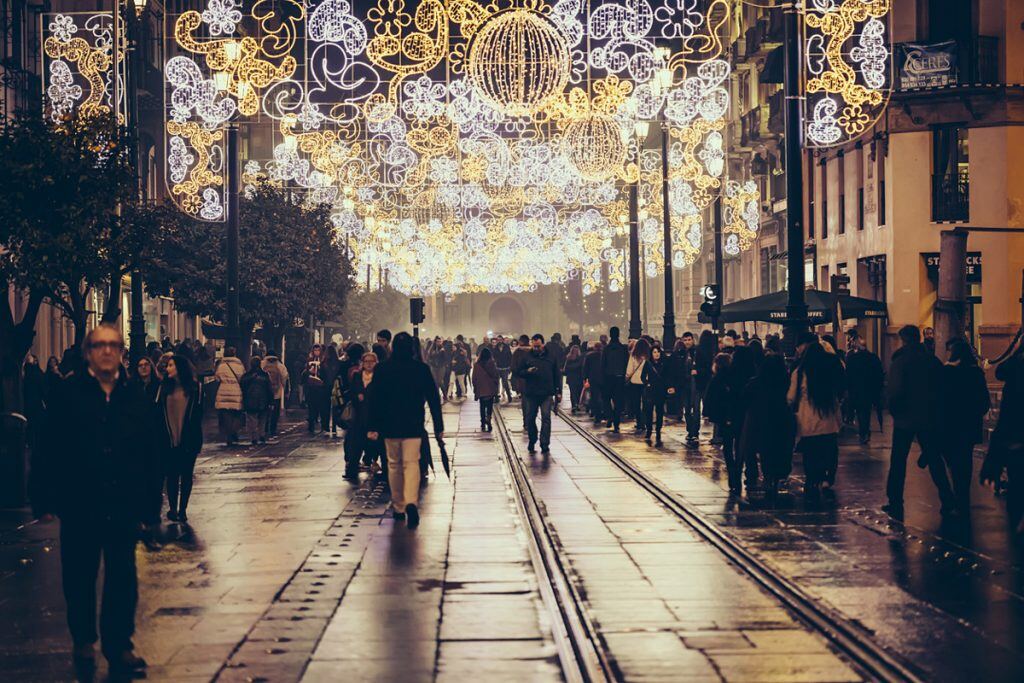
(348, 414)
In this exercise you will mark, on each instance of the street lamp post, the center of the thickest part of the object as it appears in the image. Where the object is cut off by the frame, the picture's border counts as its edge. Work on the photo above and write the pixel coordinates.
(669, 319)
(635, 326)
(137, 320)
(796, 305)
(232, 335)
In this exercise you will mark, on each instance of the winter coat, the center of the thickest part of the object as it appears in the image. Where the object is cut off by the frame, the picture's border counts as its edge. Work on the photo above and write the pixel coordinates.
(278, 375)
(677, 372)
(329, 370)
(769, 428)
(809, 421)
(229, 394)
(503, 356)
(34, 391)
(460, 363)
(654, 377)
(312, 374)
(257, 391)
(99, 457)
(634, 370)
(573, 370)
(864, 377)
(356, 389)
(717, 399)
(914, 394)
(192, 426)
(557, 352)
(1007, 441)
(592, 371)
(540, 375)
(964, 404)
(485, 379)
(614, 359)
(399, 389)
(702, 363)
(518, 356)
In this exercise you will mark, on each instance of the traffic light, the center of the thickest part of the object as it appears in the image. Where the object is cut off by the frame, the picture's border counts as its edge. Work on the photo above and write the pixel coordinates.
(416, 315)
(712, 306)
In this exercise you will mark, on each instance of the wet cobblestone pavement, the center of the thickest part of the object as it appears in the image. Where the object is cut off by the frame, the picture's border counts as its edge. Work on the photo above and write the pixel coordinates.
(289, 573)
(945, 598)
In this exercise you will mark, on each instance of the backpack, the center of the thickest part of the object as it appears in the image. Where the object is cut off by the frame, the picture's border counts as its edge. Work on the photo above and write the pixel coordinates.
(256, 395)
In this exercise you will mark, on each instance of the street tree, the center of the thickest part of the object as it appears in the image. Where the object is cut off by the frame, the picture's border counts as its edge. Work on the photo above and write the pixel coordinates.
(62, 236)
(291, 264)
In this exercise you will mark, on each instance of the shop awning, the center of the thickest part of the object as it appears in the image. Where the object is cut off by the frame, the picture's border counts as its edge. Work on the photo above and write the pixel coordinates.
(771, 308)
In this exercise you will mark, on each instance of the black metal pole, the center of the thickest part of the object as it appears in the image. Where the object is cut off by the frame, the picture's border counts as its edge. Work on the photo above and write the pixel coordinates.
(233, 333)
(137, 320)
(796, 305)
(635, 326)
(669, 334)
(716, 212)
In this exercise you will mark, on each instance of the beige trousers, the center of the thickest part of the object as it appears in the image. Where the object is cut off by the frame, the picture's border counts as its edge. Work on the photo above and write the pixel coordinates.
(404, 471)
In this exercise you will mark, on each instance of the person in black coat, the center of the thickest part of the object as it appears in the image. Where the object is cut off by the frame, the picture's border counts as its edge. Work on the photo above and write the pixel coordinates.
(503, 361)
(357, 445)
(400, 387)
(865, 379)
(594, 378)
(542, 380)
(573, 371)
(33, 391)
(258, 395)
(913, 400)
(741, 371)
(1006, 446)
(965, 402)
(718, 409)
(614, 359)
(96, 475)
(769, 428)
(180, 410)
(656, 378)
(684, 374)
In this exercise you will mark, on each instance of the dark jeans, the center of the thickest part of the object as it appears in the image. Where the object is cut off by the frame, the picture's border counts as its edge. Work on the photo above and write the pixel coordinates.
(275, 415)
(614, 390)
(862, 409)
(960, 458)
(82, 544)
(730, 453)
(596, 401)
(181, 466)
(821, 458)
(902, 439)
(653, 414)
(318, 405)
(503, 383)
(486, 409)
(634, 396)
(691, 412)
(575, 392)
(532, 404)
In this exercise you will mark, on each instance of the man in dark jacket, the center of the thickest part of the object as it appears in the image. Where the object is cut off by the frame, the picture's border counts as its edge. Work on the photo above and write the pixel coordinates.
(519, 354)
(684, 363)
(96, 476)
(914, 397)
(503, 361)
(864, 376)
(614, 359)
(556, 349)
(541, 381)
(594, 376)
(400, 387)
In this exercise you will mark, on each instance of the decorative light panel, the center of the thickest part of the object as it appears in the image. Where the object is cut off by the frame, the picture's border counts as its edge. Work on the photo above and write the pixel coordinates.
(78, 64)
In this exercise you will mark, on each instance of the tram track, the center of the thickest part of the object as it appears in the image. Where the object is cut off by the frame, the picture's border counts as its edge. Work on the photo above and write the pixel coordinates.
(582, 656)
(848, 637)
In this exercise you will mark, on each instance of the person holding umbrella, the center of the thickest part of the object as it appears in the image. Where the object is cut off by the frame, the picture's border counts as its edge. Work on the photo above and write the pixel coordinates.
(400, 387)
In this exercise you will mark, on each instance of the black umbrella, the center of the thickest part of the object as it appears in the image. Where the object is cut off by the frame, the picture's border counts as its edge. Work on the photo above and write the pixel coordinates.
(771, 308)
(444, 457)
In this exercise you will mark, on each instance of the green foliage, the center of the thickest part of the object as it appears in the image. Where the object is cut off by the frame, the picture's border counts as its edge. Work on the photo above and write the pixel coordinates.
(291, 263)
(368, 311)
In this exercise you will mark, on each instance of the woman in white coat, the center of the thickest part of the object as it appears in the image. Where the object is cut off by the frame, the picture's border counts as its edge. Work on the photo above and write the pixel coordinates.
(229, 396)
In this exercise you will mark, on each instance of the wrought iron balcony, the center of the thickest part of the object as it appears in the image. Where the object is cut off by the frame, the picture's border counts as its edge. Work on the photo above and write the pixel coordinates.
(950, 197)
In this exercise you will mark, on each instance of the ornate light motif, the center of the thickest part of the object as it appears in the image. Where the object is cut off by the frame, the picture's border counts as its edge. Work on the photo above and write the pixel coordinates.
(78, 61)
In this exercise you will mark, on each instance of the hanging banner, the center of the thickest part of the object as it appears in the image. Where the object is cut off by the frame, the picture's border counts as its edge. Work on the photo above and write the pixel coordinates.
(926, 66)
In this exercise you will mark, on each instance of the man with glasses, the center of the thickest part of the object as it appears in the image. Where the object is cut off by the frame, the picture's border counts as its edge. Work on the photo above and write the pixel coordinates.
(96, 476)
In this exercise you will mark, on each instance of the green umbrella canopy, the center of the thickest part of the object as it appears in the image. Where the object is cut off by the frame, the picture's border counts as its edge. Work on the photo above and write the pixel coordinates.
(771, 308)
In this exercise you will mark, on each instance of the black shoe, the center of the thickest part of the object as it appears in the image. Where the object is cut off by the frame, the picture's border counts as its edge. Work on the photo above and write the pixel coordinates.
(532, 448)
(658, 443)
(413, 516)
(545, 450)
(922, 461)
(893, 510)
(182, 517)
(647, 439)
(172, 515)
(615, 429)
(395, 514)
(126, 663)
(351, 476)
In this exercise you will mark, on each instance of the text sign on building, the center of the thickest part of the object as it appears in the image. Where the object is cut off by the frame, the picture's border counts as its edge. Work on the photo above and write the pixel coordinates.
(926, 66)
(972, 262)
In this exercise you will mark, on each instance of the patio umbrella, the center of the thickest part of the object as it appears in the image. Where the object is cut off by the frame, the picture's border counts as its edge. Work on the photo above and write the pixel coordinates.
(771, 308)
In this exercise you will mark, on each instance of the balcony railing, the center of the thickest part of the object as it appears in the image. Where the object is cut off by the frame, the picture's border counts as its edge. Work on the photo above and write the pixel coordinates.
(939, 65)
(777, 112)
(950, 197)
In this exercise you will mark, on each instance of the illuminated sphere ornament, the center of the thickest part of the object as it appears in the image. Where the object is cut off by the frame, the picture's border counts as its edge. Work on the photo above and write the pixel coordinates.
(518, 60)
(594, 146)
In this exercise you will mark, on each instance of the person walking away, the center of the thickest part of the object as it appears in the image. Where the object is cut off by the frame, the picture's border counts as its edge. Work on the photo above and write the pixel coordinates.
(447, 358)
(401, 385)
(461, 367)
(257, 395)
(519, 355)
(486, 386)
(704, 357)
(179, 406)
(914, 401)
(556, 350)
(614, 360)
(573, 371)
(593, 378)
(503, 361)
(742, 370)
(315, 391)
(541, 381)
(98, 463)
(965, 400)
(329, 370)
(865, 379)
(717, 407)
(33, 391)
(656, 382)
(1006, 445)
(814, 390)
(769, 428)
(634, 380)
(686, 376)
(278, 375)
(357, 444)
(229, 396)
(382, 346)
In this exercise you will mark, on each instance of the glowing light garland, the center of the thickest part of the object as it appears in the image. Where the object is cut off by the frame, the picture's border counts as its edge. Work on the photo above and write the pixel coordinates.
(78, 59)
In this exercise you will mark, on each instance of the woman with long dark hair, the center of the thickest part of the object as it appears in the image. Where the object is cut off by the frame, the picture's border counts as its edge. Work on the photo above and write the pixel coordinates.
(573, 372)
(179, 400)
(741, 372)
(769, 428)
(357, 445)
(656, 381)
(964, 402)
(718, 409)
(815, 387)
(485, 380)
(639, 355)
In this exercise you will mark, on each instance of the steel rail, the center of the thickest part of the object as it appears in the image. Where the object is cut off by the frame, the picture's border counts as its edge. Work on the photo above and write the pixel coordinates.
(850, 638)
(580, 652)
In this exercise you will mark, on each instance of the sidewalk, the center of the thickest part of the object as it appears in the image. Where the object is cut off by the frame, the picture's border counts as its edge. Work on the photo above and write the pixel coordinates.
(292, 573)
(947, 598)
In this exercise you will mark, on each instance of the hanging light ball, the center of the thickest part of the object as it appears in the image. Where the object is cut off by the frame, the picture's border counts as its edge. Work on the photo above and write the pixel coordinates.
(518, 60)
(593, 145)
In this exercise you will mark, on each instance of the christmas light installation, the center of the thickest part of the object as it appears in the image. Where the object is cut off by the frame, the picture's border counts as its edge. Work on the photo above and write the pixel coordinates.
(78, 64)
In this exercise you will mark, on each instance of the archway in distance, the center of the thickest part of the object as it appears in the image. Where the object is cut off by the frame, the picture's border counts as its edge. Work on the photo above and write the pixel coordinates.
(506, 316)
